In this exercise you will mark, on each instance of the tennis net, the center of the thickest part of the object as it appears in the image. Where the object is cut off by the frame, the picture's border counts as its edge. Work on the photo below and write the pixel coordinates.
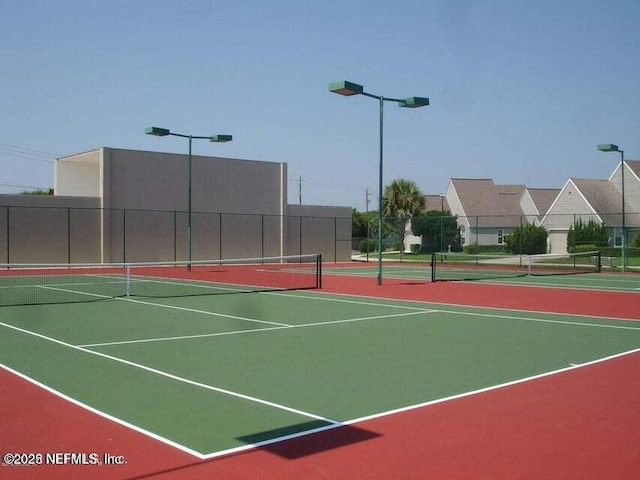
(463, 266)
(31, 284)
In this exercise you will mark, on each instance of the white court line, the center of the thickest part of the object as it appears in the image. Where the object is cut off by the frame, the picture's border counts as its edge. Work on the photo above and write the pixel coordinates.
(543, 320)
(358, 302)
(68, 284)
(323, 296)
(416, 406)
(254, 330)
(460, 309)
(104, 414)
(332, 423)
(97, 295)
(203, 312)
(173, 307)
(354, 302)
(457, 306)
(173, 377)
(557, 286)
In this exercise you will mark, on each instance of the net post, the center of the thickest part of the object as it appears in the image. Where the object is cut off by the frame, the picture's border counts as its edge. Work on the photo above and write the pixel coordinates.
(319, 271)
(598, 260)
(433, 266)
(127, 267)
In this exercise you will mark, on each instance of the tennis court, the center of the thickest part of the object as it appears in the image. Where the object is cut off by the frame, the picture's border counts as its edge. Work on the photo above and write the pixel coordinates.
(212, 375)
(581, 271)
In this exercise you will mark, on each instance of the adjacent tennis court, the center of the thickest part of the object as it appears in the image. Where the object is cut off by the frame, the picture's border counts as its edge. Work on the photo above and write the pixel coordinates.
(216, 373)
(581, 270)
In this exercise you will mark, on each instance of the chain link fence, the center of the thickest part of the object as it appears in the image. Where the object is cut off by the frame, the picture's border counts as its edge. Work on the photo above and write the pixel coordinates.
(36, 234)
(490, 233)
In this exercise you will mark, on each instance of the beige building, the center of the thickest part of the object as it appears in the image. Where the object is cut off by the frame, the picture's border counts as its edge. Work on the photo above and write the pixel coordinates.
(116, 205)
(598, 200)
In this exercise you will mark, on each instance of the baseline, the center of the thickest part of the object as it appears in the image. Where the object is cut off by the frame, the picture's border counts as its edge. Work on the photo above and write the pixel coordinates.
(174, 377)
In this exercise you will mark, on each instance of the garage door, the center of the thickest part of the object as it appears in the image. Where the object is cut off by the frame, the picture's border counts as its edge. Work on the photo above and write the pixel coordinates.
(558, 241)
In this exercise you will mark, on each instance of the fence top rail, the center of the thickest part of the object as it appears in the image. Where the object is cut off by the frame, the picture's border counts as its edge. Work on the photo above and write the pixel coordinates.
(151, 210)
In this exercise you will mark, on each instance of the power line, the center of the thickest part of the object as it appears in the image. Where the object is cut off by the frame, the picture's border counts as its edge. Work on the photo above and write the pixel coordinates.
(27, 153)
(13, 187)
(326, 183)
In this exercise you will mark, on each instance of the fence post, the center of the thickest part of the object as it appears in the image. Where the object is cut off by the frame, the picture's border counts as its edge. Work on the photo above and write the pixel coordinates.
(220, 232)
(477, 234)
(335, 239)
(68, 234)
(124, 235)
(175, 236)
(520, 241)
(8, 235)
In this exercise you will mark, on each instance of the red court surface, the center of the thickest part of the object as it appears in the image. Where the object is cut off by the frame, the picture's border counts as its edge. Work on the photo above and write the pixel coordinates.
(581, 424)
(541, 299)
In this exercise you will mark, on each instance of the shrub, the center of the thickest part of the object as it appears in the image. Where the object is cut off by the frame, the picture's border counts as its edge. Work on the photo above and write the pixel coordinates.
(472, 249)
(581, 233)
(528, 239)
(478, 249)
(590, 247)
(368, 246)
(437, 231)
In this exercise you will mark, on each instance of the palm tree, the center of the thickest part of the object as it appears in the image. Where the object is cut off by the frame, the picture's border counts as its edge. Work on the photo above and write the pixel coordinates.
(402, 200)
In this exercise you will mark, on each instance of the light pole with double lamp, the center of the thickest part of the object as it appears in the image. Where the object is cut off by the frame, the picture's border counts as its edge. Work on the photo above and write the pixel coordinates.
(348, 89)
(610, 147)
(163, 132)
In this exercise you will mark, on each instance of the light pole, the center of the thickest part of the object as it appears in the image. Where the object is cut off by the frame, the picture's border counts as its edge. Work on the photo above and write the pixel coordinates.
(610, 147)
(348, 89)
(163, 132)
(441, 221)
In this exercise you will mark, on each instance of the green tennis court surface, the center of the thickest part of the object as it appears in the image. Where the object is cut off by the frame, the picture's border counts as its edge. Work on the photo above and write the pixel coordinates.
(216, 373)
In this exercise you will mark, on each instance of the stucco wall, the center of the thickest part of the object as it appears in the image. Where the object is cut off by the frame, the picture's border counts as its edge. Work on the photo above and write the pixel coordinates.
(140, 212)
(79, 175)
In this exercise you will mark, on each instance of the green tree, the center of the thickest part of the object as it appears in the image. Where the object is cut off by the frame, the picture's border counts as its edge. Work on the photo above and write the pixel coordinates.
(436, 230)
(589, 233)
(46, 191)
(358, 223)
(402, 200)
(528, 239)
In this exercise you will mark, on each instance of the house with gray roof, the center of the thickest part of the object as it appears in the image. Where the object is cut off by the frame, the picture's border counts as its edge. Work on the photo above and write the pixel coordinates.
(436, 202)
(487, 212)
(597, 200)
(631, 182)
(535, 203)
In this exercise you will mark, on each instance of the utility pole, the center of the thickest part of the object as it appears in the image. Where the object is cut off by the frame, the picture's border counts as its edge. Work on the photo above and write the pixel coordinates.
(300, 190)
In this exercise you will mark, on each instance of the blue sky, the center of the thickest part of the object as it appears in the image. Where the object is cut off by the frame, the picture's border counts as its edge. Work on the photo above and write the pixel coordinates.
(521, 92)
